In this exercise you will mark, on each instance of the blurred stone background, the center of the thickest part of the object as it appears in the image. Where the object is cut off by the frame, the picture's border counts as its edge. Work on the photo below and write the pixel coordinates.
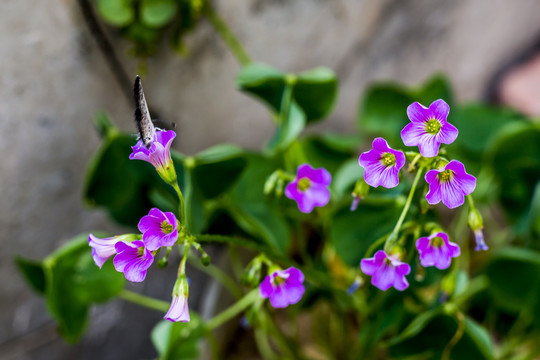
(54, 79)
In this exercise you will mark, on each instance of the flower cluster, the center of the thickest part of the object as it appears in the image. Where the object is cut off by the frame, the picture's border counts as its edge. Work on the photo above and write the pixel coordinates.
(133, 256)
(449, 183)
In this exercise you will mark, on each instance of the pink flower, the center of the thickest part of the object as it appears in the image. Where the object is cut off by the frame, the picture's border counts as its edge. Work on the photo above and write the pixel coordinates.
(449, 185)
(133, 259)
(436, 250)
(283, 287)
(386, 271)
(159, 229)
(382, 164)
(428, 127)
(309, 188)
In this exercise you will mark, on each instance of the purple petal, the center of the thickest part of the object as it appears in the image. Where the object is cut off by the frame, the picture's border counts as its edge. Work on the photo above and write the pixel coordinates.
(293, 292)
(417, 112)
(179, 310)
(400, 282)
(451, 194)
(389, 177)
(448, 133)
(429, 146)
(422, 244)
(318, 176)
(434, 195)
(380, 145)
(102, 249)
(319, 194)
(384, 277)
(266, 288)
(413, 133)
(439, 109)
(126, 253)
(369, 266)
(295, 276)
(278, 298)
(368, 158)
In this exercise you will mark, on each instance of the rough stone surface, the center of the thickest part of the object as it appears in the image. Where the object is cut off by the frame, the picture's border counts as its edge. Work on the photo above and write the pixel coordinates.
(54, 79)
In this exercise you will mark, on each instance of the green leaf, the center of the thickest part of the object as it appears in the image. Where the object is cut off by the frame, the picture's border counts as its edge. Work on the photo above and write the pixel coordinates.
(514, 275)
(157, 13)
(480, 337)
(178, 341)
(515, 160)
(383, 109)
(416, 325)
(315, 91)
(264, 82)
(289, 130)
(217, 168)
(329, 151)
(352, 232)
(74, 282)
(433, 333)
(116, 12)
(33, 273)
(252, 211)
(346, 176)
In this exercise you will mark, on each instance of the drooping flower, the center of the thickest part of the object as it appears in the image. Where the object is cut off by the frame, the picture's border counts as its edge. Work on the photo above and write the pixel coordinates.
(449, 185)
(428, 128)
(436, 250)
(159, 154)
(133, 259)
(103, 248)
(179, 310)
(283, 287)
(386, 271)
(309, 188)
(480, 243)
(159, 229)
(382, 164)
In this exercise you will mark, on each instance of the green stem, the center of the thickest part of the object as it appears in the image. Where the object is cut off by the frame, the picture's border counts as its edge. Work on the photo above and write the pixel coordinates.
(226, 34)
(217, 274)
(181, 209)
(182, 267)
(392, 239)
(144, 300)
(233, 310)
(457, 336)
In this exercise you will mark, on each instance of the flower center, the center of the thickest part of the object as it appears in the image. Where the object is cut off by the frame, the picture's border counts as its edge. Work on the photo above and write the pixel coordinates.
(140, 251)
(437, 241)
(388, 159)
(278, 281)
(445, 175)
(433, 126)
(304, 184)
(166, 227)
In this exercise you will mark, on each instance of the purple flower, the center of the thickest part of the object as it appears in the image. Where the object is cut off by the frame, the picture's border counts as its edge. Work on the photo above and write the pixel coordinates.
(133, 259)
(178, 311)
(283, 287)
(102, 249)
(436, 250)
(450, 185)
(382, 164)
(159, 154)
(309, 188)
(386, 271)
(428, 127)
(480, 243)
(159, 229)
